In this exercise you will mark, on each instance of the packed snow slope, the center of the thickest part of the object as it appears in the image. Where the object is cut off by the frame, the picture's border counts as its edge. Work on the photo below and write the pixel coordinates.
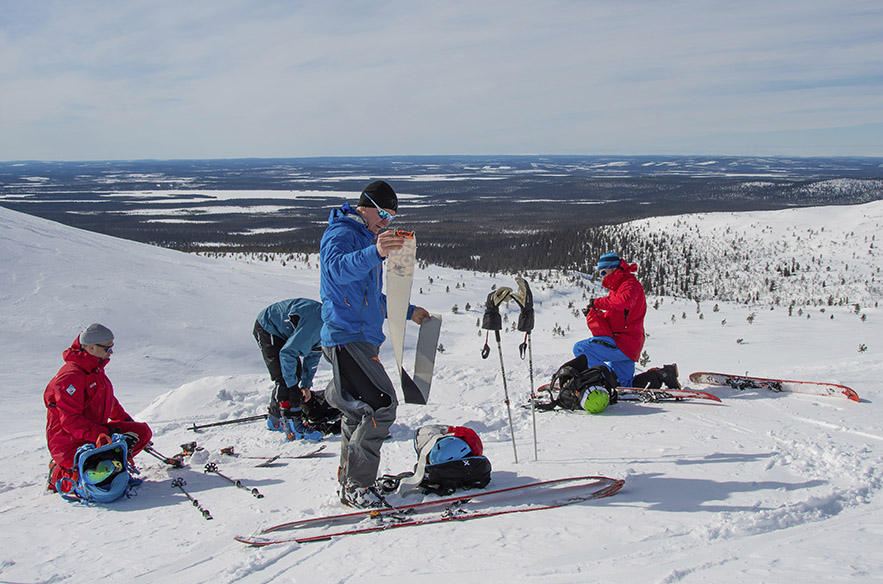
(762, 487)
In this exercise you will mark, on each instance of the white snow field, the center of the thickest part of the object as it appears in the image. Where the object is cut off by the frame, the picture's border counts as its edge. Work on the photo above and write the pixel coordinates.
(762, 487)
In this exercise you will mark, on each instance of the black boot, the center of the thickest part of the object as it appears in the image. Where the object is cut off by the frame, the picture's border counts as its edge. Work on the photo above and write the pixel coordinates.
(650, 379)
(669, 375)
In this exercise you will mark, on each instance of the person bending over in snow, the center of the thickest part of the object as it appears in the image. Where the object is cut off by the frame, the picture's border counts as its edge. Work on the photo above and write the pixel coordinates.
(353, 310)
(81, 407)
(287, 333)
(617, 325)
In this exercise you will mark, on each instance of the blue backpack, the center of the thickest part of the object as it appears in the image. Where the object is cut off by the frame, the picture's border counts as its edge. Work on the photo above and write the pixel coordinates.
(103, 473)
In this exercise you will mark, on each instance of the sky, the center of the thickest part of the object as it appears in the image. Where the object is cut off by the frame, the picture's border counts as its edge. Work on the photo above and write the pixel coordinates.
(100, 79)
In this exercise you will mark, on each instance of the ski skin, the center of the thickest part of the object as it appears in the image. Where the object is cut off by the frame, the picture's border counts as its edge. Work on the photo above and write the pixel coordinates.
(784, 385)
(613, 486)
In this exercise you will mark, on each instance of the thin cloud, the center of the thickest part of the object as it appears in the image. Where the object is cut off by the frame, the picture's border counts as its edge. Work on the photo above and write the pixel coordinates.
(162, 79)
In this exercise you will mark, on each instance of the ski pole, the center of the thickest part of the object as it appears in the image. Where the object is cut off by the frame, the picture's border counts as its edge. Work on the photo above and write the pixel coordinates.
(196, 428)
(506, 393)
(533, 395)
(213, 468)
(494, 322)
(179, 483)
(175, 462)
(524, 298)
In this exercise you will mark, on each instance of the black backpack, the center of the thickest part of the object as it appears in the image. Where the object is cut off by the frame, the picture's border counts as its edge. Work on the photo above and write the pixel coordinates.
(573, 378)
(462, 466)
(321, 415)
(472, 472)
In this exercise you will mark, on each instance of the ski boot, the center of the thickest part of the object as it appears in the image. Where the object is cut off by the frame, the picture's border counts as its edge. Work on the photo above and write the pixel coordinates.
(361, 497)
(669, 376)
(275, 417)
(297, 429)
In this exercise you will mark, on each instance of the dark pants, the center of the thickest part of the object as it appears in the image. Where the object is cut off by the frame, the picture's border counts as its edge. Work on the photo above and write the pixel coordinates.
(356, 382)
(364, 394)
(270, 346)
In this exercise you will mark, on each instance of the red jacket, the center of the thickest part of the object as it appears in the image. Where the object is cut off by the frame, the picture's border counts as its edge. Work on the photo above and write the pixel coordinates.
(79, 404)
(620, 314)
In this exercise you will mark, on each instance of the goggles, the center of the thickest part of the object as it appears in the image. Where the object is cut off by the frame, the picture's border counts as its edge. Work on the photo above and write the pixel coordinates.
(102, 471)
(386, 216)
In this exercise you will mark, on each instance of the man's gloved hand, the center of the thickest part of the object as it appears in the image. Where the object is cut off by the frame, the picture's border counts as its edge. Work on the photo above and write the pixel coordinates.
(589, 307)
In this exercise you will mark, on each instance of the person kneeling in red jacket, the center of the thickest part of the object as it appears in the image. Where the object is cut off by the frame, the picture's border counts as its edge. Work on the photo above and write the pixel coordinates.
(81, 407)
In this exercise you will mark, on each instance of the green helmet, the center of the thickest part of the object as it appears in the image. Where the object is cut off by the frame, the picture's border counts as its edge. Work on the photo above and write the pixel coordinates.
(596, 400)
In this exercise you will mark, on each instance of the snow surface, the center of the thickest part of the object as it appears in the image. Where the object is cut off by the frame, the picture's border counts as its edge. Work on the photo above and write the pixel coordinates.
(761, 488)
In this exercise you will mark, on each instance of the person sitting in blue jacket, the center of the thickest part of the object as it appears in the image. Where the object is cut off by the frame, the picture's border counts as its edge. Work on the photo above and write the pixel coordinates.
(287, 333)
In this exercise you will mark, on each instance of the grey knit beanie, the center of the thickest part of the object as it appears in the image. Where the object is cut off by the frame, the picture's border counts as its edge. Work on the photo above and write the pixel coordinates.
(95, 334)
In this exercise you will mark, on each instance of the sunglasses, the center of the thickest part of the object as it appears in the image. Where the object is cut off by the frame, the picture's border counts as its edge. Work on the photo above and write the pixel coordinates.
(380, 212)
(107, 348)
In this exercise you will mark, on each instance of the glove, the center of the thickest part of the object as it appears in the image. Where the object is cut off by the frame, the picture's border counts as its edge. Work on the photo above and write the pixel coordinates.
(131, 440)
(524, 298)
(492, 320)
(589, 307)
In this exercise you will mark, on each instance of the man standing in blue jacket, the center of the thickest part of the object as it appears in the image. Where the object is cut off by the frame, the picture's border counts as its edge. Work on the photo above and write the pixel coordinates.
(353, 310)
(288, 334)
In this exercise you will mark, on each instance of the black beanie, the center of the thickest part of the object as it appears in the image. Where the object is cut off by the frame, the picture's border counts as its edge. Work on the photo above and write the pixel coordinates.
(382, 194)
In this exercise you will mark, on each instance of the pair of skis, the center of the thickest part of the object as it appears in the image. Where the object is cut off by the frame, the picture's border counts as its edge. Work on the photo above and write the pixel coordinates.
(536, 496)
(177, 461)
(743, 382)
(740, 382)
(645, 395)
(270, 460)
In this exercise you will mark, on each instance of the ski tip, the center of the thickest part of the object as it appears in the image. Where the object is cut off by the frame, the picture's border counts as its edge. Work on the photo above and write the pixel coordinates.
(852, 395)
(253, 540)
(710, 396)
(261, 541)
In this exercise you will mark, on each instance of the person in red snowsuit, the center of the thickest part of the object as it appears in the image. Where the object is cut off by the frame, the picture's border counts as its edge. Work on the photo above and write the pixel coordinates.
(617, 325)
(616, 320)
(81, 407)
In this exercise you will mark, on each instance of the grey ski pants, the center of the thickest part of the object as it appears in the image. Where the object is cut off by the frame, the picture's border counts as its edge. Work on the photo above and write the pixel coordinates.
(363, 428)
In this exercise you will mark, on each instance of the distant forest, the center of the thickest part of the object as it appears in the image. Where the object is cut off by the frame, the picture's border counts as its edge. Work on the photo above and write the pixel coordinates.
(490, 214)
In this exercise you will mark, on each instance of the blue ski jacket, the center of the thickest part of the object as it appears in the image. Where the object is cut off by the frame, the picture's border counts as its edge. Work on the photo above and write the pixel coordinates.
(351, 282)
(299, 322)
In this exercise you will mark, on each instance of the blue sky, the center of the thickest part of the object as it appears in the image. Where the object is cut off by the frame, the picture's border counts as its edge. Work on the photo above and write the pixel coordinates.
(90, 80)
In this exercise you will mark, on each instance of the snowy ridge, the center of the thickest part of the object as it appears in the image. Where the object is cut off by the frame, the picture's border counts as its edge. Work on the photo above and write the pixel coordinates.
(763, 487)
(818, 256)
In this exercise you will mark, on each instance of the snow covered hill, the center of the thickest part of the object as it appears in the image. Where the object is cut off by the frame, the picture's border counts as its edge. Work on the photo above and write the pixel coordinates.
(760, 488)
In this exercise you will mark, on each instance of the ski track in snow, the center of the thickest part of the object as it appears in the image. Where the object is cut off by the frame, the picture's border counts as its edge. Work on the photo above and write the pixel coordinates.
(762, 487)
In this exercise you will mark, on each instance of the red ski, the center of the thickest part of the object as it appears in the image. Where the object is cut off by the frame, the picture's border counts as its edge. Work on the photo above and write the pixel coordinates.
(519, 499)
(747, 382)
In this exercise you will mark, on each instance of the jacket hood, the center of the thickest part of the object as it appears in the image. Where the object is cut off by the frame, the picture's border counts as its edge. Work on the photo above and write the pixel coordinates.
(77, 355)
(344, 212)
(614, 279)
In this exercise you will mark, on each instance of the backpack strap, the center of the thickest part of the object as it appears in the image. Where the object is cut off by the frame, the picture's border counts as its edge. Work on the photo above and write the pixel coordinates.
(412, 482)
(68, 494)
